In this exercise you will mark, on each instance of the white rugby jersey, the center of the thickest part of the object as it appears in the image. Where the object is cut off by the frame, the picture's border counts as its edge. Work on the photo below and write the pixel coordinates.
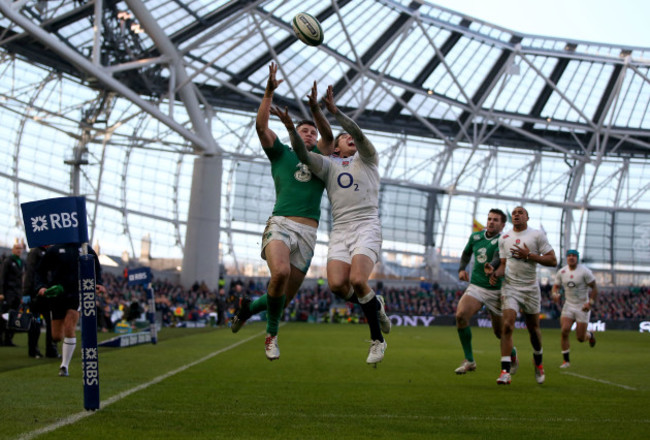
(520, 271)
(352, 187)
(575, 283)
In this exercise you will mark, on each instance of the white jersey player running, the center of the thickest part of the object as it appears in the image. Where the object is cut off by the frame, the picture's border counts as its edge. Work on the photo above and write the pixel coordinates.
(519, 251)
(580, 293)
(352, 182)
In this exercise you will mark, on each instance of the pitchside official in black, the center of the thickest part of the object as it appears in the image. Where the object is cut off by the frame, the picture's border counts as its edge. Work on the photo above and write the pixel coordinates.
(11, 287)
(60, 266)
(39, 306)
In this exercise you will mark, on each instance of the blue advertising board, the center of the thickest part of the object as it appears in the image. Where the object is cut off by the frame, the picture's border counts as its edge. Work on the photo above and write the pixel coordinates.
(54, 221)
(140, 275)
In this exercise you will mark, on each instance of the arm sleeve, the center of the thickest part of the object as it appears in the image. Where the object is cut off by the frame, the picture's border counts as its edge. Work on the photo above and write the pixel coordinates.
(313, 160)
(466, 256)
(496, 261)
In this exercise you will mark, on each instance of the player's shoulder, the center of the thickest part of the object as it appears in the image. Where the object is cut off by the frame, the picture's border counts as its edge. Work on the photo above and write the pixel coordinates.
(476, 236)
(584, 268)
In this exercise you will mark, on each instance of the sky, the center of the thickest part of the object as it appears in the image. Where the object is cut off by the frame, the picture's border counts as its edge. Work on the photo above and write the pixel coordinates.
(623, 22)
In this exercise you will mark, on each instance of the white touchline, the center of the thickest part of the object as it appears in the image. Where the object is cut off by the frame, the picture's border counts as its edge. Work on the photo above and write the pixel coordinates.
(599, 380)
(80, 415)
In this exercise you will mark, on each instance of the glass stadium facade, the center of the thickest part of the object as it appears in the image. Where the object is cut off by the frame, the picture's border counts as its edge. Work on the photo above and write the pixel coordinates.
(118, 100)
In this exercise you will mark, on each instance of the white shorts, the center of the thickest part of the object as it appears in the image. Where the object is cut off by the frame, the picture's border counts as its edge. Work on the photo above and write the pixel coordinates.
(575, 313)
(299, 238)
(358, 238)
(525, 297)
(490, 297)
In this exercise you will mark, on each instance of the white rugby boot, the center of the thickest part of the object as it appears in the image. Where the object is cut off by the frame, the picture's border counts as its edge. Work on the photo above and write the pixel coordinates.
(271, 348)
(384, 320)
(465, 367)
(376, 352)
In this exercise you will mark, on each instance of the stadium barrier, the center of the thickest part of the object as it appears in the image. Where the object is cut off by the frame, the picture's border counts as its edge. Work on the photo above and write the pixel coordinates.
(597, 326)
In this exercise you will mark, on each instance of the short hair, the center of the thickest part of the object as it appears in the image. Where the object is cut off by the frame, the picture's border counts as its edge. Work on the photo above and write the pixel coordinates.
(525, 210)
(500, 213)
(305, 122)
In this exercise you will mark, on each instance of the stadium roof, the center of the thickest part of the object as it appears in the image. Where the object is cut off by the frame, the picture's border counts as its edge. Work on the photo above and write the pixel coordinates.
(117, 101)
(398, 66)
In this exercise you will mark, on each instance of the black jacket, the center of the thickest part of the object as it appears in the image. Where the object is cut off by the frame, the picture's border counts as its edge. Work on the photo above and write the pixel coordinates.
(29, 279)
(12, 281)
(60, 265)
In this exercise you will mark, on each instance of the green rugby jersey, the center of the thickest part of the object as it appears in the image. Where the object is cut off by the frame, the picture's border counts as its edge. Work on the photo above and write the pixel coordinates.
(298, 192)
(484, 250)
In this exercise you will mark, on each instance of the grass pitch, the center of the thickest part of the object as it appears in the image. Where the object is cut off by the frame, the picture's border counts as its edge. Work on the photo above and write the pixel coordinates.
(212, 384)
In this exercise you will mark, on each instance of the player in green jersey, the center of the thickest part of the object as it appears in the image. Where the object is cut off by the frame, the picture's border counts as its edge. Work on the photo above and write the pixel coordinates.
(290, 235)
(483, 245)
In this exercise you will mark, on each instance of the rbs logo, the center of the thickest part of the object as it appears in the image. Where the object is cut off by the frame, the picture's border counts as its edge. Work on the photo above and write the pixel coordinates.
(54, 221)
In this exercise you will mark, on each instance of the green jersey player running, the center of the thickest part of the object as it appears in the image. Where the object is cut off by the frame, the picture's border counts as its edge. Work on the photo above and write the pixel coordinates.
(483, 245)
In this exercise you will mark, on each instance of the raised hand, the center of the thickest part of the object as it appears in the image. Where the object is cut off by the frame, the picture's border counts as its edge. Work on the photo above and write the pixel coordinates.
(313, 96)
(329, 101)
(284, 116)
(272, 83)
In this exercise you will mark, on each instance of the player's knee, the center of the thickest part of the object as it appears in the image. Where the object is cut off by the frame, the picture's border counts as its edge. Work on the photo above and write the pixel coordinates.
(358, 283)
(461, 321)
(281, 274)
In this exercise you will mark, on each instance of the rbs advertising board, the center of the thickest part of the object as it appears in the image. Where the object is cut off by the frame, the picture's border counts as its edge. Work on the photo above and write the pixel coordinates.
(53, 221)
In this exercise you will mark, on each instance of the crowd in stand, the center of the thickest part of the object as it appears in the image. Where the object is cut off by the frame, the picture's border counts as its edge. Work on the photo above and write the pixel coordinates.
(318, 304)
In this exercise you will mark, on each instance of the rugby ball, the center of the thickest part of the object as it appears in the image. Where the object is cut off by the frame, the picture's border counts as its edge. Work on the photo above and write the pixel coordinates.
(307, 29)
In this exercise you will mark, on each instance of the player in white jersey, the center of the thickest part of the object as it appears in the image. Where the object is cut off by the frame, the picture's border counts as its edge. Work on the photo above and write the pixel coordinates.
(352, 182)
(520, 250)
(580, 293)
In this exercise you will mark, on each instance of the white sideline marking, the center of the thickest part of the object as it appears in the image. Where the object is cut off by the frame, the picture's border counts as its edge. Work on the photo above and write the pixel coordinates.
(104, 403)
(600, 380)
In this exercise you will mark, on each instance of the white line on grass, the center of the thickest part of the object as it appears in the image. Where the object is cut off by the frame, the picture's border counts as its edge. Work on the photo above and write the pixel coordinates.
(600, 380)
(80, 415)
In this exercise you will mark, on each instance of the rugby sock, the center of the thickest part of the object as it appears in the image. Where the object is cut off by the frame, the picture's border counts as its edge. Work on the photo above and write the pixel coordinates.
(465, 335)
(537, 355)
(513, 353)
(351, 297)
(505, 363)
(369, 306)
(274, 313)
(67, 348)
(565, 355)
(259, 305)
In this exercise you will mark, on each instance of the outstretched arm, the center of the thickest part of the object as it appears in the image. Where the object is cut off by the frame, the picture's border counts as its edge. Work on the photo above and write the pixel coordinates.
(266, 135)
(312, 160)
(326, 141)
(364, 146)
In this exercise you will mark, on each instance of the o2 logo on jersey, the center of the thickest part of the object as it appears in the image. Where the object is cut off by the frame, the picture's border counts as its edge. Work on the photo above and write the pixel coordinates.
(345, 180)
(571, 284)
(302, 174)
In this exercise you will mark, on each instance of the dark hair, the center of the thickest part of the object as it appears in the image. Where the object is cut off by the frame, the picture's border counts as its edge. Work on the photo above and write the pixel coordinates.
(500, 213)
(307, 122)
